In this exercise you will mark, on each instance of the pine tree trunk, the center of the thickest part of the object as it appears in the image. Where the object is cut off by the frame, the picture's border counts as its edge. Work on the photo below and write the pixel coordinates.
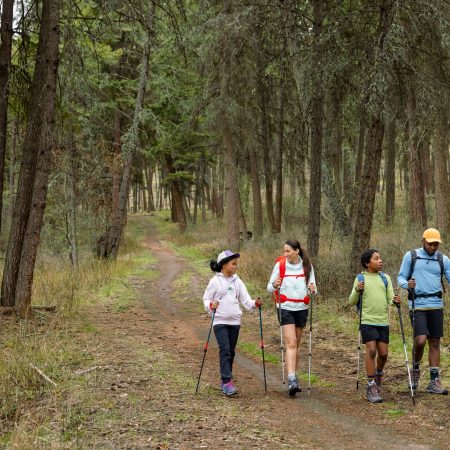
(35, 168)
(72, 211)
(279, 166)
(232, 198)
(441, 180)
(256, 194)
(268, 176)
(417, 207)
(6, 33)
(116, 163)
(315, 186)
(149, 181)
(12, 168)
(340, 217)
(369, 180)
(358, 168)
(178, 209)
(390, 172)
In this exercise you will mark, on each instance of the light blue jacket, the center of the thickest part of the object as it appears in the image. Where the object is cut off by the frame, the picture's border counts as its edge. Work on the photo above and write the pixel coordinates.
(427, 273)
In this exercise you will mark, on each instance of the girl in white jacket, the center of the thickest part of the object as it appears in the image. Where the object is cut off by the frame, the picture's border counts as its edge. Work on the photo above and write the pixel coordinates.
(224, 293)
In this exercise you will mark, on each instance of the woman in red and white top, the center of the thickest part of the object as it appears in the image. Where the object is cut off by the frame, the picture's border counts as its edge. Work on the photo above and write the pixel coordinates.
(291, 279)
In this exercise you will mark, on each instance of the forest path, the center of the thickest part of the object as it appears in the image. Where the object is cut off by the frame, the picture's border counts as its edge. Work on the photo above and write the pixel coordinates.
(325, 419)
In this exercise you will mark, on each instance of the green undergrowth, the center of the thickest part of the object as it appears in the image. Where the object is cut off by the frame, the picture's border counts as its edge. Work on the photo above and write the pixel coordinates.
(252, 349)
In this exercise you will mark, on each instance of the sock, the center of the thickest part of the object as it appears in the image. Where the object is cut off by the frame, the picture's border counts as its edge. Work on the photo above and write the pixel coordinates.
(434, 373)
(416, 365)
(370, 379)
(291, 376)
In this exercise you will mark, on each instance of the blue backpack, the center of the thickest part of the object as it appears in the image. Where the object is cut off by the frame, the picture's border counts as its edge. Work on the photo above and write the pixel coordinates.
(360, 277)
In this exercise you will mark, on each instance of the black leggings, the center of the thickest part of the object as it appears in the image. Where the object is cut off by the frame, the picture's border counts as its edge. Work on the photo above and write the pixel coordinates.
(227, 337)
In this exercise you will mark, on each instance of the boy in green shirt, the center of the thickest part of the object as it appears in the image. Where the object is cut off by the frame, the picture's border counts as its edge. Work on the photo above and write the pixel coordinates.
(376, 292)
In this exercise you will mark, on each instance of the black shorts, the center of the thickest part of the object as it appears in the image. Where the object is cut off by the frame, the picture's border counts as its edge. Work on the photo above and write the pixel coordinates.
(374, 333)
(428, 322)
(297, 318)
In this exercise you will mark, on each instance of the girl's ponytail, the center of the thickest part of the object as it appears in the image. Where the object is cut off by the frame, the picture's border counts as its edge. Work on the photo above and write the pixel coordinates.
(215, 267)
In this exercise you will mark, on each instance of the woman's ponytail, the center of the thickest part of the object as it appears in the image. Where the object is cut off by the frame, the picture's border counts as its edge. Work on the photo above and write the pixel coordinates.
(215, 266)
(304, 256)
(306, 265)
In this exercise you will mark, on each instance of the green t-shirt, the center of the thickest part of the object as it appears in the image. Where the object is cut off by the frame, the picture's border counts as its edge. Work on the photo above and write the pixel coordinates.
(375, 299)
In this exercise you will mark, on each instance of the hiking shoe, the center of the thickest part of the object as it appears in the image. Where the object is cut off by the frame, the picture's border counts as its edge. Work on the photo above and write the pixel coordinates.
(373, 394)
(293, 386)
(229, 388)
(415, 375)
(435, 387)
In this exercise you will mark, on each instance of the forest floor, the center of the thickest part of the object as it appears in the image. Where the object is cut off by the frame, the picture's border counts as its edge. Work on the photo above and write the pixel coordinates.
(141, 359)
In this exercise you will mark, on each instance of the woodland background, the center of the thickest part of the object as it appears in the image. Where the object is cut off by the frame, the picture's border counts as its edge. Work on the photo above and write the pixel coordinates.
(207, 123)
(314, 119)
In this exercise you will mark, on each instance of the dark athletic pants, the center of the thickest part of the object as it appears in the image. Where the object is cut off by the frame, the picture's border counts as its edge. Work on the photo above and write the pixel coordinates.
(227, 337)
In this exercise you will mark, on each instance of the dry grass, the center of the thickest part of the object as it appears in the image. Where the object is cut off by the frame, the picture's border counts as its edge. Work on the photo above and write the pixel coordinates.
(46, 342)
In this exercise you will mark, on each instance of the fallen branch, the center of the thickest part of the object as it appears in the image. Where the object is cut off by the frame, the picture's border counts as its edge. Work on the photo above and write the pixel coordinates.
(42, 374)
(80, 372)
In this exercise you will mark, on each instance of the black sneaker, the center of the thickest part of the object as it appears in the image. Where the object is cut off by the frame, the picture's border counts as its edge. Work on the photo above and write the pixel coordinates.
(293, 386)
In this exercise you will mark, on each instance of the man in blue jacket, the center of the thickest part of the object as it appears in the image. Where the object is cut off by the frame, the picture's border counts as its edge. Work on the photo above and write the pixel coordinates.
(422, 273)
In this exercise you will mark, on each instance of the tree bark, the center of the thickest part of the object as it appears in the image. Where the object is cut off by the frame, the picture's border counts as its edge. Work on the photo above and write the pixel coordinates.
(35, 167)
(232, 198)
(373, 149)
(340, 217)
(441, 180)
(6, 33)
(417, 206)
(358, 168)
(262, 97)
(390, 172)
(315, 185)
(256, 194)
(279, 166)
(71, 195)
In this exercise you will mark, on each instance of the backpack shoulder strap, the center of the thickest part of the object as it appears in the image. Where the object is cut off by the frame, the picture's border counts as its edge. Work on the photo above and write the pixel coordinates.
(383, 277)
(440, 259)
(413, 263)
(282, 261)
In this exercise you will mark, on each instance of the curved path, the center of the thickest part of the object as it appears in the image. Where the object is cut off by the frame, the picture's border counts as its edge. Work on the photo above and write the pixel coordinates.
(321, 420)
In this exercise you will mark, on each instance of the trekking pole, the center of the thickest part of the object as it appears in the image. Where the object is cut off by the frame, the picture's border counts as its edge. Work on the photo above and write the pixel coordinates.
(310, 343)
(359, 340)
(413, 322)
(205, 349)
(406, 352)
(281, 336)
(262, 348)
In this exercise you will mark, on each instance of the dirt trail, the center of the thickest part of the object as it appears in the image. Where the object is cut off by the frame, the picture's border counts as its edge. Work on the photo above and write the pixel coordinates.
(329, 418)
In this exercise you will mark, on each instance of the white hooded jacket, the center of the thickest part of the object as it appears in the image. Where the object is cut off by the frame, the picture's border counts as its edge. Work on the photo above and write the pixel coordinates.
(229, 292)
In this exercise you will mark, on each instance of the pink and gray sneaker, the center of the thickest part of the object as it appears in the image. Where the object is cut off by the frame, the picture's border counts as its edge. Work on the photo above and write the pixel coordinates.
(229, 388)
